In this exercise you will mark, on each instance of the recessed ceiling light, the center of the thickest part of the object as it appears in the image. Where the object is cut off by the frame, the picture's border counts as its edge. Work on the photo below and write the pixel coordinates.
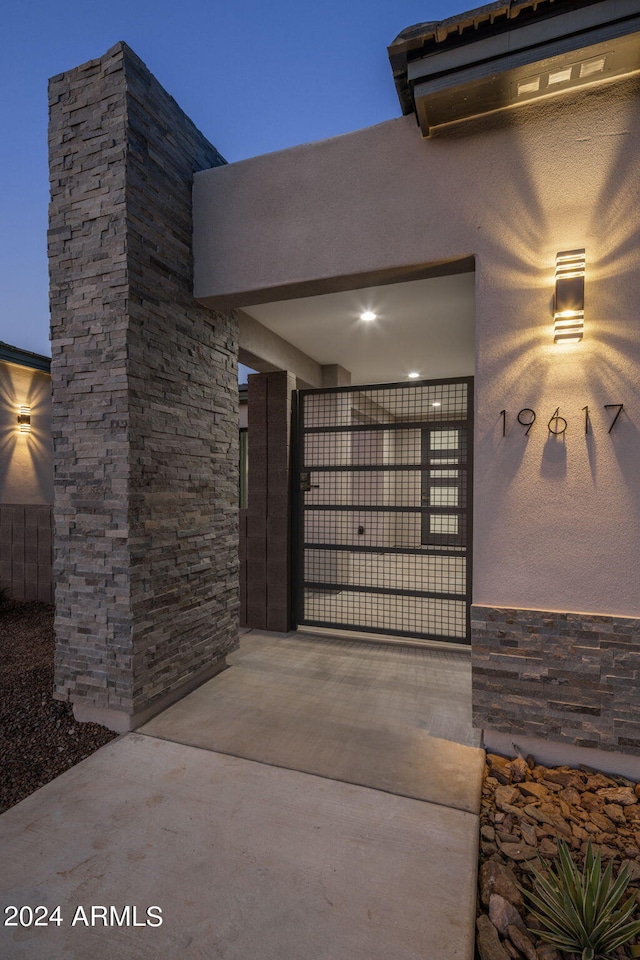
(413, 375)
(368, 315)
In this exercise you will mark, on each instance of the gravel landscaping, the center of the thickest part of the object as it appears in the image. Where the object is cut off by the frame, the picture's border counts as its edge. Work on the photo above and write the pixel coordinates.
(39, 738)
(526, 809)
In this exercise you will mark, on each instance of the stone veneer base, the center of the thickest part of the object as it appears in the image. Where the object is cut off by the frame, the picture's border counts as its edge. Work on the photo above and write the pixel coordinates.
(566, 678)
(122, 722)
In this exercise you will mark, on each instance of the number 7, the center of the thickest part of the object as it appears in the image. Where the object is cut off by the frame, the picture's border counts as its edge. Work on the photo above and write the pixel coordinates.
(620, 407)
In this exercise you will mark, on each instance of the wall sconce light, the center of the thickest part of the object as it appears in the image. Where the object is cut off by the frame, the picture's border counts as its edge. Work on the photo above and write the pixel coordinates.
(568, 306)
(24, 419)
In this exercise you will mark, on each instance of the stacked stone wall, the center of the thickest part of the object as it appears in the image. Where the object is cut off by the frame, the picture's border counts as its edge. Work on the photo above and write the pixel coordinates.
(145, 398)
(566, 677)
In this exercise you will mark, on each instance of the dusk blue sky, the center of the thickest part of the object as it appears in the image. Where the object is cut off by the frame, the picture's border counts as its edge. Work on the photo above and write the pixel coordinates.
(253, 76)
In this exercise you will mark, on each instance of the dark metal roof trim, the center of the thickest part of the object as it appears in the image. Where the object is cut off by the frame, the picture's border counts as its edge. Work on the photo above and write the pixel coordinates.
(24, 358)
(422, 39)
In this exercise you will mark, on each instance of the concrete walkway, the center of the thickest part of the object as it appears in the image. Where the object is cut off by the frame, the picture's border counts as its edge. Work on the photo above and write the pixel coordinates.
(251, 860)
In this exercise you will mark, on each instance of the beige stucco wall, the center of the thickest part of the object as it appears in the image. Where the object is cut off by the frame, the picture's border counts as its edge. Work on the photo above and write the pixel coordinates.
(557, 520)
(26, 464)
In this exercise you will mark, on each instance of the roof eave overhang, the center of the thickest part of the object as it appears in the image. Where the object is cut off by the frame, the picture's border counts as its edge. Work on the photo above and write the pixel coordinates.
(445, 78)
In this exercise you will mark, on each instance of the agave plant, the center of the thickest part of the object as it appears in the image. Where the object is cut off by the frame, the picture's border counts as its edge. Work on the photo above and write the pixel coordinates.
(580, 913)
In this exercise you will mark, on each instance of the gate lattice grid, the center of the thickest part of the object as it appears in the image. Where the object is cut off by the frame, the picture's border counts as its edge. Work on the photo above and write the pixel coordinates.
(384, 508)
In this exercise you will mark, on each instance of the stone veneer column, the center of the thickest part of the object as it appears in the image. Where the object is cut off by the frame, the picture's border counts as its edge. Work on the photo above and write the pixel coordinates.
(145, 403)
(269, 501)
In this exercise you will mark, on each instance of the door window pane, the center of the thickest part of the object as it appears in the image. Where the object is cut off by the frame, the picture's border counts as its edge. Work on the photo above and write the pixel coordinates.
(444, 497)
(443, 523)
(445, 439)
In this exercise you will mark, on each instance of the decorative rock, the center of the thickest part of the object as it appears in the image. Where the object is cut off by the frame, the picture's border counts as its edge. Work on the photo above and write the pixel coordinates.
(494, 760)
(518, 851)
(566, 778)
(554, 820)
(598, 781)
(622, 795)
(570, 795)
(526, 816)
(615, 812)
(499, 768)
(550, 785)
(547, 952)
(498, 878)
(506, 796)
(590, 801)
(606, 852)
(519, 769)
(503, 914)
(522, 942)
(534, 789)
(633, 867)
(547, 848)
(488, 941)
(578, 832)
(604, 824)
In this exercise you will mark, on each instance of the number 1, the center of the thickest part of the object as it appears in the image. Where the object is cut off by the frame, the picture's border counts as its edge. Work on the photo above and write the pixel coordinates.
(586, 419)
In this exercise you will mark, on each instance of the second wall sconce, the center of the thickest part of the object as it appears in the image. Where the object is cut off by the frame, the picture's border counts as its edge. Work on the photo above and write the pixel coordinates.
(568, 301)
(24, 419)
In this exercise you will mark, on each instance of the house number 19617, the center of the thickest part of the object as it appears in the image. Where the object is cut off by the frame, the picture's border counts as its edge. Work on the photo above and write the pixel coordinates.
(557, 425)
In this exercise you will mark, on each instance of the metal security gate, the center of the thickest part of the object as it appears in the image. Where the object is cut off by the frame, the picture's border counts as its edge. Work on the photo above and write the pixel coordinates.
(382, 539)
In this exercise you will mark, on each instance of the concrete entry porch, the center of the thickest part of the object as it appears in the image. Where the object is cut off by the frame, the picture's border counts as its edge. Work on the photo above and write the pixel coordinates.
(393, 718)
(251, 859)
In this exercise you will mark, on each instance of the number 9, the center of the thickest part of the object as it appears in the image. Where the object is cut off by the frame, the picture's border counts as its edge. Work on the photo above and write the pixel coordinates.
(527, 423)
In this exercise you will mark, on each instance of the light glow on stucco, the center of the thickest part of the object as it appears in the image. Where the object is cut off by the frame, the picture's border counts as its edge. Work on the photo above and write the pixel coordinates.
(368, 316)
(26, 469)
